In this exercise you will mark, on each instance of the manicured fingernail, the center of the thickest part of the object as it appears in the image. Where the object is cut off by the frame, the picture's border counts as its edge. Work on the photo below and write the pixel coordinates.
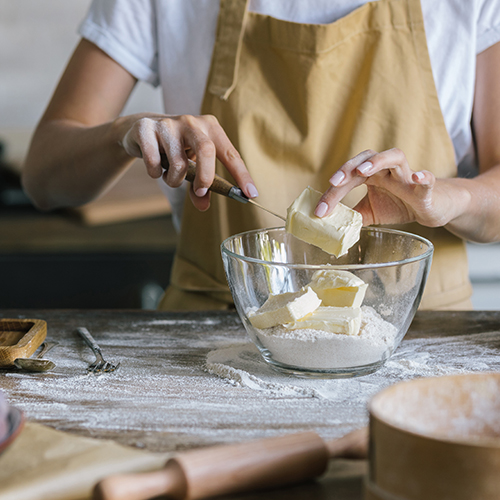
(420, 176)
(337, 178)
(252, 190)
(321, 209)
(365, 167)
(200, 192)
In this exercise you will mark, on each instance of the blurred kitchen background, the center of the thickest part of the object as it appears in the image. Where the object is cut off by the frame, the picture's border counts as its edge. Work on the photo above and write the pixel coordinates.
(117, 251)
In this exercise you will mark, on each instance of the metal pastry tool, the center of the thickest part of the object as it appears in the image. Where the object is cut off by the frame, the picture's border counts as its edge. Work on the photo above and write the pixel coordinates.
(220, 186)
(37, 364)
(100, 364)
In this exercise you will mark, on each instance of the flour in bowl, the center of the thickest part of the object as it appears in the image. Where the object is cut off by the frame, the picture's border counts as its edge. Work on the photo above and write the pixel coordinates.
(319, 349)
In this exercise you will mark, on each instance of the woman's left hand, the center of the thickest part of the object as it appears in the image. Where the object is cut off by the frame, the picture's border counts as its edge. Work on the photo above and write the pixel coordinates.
(396, 194)
(468, 208)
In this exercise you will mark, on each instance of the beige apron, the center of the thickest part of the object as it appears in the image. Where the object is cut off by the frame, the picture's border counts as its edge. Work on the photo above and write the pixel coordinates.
(297, 101)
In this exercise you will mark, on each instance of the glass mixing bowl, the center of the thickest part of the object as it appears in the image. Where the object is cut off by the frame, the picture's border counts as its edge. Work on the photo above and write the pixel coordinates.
(393, 263)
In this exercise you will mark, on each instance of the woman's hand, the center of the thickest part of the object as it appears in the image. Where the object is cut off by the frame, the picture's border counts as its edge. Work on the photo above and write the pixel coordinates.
(80, 148)
(200, 138)
(468, 208)
(396, 194)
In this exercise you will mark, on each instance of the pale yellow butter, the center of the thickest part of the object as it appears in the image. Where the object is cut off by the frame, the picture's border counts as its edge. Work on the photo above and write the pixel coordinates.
(285, 308)
(335, 233)
(343, 320)
(338, 288)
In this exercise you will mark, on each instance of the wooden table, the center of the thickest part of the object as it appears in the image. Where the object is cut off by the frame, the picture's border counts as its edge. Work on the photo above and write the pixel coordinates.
(162, 398)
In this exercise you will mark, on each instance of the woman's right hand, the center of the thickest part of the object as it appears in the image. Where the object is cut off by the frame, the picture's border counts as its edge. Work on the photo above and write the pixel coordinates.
(200, 138)
(80, 148)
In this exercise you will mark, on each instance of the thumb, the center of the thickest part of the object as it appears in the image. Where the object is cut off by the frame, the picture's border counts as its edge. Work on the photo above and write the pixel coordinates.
(365, 209)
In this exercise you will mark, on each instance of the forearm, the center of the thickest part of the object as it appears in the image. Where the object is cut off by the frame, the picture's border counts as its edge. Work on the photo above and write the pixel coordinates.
(477, 202)
(69, 164)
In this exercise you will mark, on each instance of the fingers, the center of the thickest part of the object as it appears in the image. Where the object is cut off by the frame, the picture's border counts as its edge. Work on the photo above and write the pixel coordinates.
(202, 203)
(231, 159)
(213, 143)
(392, 161)
(392, 167)
(388, 170)
(347, 172)
(140, 141)
(182, 138)
(170, 140)
(344, 180)
(333, 195)
(179, 137)
(424, 178)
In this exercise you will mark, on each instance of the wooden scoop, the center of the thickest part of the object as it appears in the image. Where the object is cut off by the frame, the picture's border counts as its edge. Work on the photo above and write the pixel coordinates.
(221, 470)
(220, 186)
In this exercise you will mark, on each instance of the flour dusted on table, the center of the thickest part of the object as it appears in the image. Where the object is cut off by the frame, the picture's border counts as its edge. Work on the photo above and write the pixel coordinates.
(242, 365)
(319, 349)
(196, 381)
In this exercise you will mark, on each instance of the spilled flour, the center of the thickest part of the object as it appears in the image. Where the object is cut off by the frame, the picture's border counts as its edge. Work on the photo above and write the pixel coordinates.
(318, 349)
(195, 381)
(242, 365)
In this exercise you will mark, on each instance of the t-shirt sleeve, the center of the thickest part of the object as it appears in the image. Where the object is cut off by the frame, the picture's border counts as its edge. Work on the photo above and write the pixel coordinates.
(488, 24)
(126, 31)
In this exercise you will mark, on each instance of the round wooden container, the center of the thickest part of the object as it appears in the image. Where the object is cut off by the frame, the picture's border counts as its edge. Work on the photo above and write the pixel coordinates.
(436, 439)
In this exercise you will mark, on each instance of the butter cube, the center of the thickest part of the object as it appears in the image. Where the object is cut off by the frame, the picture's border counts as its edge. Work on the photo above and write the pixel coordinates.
(285, 308)
(338, 288)
(335, 233)
(343, 320)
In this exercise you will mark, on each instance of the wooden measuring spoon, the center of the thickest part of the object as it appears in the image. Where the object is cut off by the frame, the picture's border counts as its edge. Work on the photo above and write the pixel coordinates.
(37, 364)
(220, 470)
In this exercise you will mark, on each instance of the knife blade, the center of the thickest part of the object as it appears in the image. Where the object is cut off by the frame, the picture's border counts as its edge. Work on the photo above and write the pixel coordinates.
(220, 186)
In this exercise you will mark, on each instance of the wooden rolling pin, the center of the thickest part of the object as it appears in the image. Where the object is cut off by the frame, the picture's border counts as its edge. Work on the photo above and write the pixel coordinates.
(220, 470)
(220, 186)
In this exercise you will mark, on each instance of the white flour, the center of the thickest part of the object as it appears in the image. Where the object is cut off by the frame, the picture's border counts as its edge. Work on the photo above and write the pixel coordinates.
(242, 365)
(181, 386)
(318, 349)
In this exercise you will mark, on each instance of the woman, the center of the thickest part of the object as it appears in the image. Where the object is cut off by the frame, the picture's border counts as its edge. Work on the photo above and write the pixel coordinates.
(308, 93)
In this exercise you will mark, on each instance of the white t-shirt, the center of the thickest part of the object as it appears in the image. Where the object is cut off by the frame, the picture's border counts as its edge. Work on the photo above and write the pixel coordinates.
(170, 43)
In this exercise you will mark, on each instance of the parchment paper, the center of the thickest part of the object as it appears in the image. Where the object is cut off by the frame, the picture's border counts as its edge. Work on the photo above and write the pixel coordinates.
(45, 464)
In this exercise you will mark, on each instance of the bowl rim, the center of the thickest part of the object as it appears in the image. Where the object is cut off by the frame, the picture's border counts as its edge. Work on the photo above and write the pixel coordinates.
(254, 260)
(473, 442)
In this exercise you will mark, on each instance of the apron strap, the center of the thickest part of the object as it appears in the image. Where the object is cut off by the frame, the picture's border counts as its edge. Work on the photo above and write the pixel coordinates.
(227, 47)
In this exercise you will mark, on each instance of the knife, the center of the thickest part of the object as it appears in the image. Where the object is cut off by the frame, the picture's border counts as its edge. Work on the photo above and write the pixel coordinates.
(220, 186)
